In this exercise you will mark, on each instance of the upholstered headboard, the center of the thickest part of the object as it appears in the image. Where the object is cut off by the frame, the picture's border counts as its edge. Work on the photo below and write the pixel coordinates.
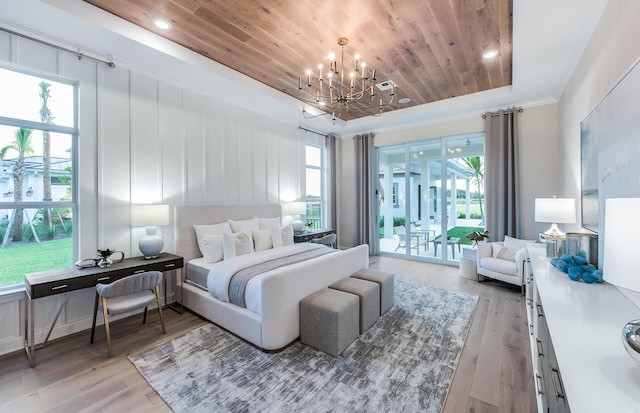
(185, 216)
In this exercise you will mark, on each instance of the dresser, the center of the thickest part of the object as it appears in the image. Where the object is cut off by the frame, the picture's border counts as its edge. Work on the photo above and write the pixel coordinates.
(579, 362)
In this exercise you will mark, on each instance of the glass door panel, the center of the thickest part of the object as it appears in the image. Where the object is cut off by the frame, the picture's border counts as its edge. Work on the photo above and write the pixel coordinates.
(391, 199)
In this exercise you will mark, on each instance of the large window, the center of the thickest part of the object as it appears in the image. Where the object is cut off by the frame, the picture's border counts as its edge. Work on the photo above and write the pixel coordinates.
(38, 133)
(315, 184)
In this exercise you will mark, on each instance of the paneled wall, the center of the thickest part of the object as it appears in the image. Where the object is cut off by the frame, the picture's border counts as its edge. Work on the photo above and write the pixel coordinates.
(145, 140)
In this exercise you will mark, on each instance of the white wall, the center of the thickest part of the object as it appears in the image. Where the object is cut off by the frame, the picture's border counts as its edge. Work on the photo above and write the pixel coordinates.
(146, 140)
(612, 50)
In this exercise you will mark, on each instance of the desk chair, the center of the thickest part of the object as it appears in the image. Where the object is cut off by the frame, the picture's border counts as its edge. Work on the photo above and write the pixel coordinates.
(329, 240)
(127, 294)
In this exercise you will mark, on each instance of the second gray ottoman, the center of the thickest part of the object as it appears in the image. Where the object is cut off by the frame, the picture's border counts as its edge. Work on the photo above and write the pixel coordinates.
(387, 286)
(369, 293)
(329, 320)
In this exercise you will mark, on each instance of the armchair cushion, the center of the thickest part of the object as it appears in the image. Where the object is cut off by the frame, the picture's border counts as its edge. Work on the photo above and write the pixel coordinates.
(506, 253)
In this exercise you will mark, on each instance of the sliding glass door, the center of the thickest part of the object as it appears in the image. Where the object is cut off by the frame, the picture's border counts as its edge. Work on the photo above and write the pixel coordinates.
(430, 196)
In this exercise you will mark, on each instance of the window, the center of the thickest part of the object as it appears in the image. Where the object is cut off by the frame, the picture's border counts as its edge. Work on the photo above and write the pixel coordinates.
(315, 184)
(38, 137)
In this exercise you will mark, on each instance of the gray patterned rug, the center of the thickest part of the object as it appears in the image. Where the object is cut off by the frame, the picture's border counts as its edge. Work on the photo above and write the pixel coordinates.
(404, 363)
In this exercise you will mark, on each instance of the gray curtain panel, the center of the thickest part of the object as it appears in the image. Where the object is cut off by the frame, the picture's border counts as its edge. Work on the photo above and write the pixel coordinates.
(364, 222)
(332, 172)
(502, 215)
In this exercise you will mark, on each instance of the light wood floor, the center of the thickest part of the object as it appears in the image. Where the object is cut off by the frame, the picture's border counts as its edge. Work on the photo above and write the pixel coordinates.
(494, 373)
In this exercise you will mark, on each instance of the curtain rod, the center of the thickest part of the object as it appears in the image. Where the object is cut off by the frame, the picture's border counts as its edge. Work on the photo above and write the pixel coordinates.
(313, 131)
(77, 53)
(519, 110)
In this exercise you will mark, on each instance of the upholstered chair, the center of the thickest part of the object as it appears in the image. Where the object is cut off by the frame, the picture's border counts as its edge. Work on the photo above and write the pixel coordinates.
(503, 261)
(328, 240)
(125, 295)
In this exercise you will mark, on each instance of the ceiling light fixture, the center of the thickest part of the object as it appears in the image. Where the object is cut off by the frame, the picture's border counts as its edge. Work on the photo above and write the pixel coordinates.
(343, 91)
(489, 54)
(161, 23)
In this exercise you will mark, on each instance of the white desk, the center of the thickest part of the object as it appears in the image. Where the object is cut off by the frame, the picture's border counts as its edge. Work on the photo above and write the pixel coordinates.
(585, 325)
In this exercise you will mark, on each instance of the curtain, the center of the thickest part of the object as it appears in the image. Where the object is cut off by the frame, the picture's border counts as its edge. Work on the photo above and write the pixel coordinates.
(363, 224)
(502, 215)
(332, 173)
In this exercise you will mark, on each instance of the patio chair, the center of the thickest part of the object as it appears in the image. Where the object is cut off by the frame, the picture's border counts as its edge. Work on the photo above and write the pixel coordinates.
(401, 232)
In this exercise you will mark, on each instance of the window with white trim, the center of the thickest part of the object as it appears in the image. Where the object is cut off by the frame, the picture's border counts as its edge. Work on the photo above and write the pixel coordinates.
(316, 197)
(38, 136)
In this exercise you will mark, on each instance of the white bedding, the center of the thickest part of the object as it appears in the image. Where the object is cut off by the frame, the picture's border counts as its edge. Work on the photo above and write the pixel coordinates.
(220, 273)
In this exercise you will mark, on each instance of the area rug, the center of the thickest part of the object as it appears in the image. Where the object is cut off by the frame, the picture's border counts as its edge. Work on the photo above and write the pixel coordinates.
(405, 362)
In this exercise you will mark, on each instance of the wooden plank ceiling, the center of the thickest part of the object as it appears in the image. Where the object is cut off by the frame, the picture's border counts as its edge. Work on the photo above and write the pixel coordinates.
(431, 49)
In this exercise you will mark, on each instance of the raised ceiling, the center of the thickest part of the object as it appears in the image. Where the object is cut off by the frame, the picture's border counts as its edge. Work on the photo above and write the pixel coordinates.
(431, 49)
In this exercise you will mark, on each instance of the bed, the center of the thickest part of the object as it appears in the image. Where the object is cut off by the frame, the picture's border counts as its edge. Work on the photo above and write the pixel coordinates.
(271, 321)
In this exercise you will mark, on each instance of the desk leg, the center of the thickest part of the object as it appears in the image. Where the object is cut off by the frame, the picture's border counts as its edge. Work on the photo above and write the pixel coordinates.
(174, 306)
(55, 319)
(29, 342)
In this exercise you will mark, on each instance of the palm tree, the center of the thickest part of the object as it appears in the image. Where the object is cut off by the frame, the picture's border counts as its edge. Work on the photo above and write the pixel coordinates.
(475, 168)
(22, 145)
(46, 117)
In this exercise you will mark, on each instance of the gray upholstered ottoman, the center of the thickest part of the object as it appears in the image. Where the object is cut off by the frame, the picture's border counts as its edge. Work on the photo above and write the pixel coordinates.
(386, 282)
(369, 293)
(329, 320)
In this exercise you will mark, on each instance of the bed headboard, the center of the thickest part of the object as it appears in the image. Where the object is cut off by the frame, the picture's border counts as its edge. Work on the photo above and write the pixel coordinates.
(185, 216)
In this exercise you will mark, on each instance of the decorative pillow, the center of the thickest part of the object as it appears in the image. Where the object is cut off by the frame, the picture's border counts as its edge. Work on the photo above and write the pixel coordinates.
(236, 244)
(262, 239)
(515, 243)
(202, 230)
(245, 226)
(287, 235)
(212, 248)
(508, 254)
(276, 237)
(496, 250)
(269, 223)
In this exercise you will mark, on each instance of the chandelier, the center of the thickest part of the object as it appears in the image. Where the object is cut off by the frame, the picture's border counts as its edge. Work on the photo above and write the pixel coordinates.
(342, 88)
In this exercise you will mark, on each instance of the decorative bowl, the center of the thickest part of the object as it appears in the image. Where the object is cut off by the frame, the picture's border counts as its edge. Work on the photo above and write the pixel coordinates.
(631, 339)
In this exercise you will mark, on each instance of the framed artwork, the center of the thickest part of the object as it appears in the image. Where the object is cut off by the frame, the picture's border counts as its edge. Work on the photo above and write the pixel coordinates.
(610, 149)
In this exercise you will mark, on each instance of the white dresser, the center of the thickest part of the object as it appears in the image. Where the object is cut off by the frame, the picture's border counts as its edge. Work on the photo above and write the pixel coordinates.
(577, 328)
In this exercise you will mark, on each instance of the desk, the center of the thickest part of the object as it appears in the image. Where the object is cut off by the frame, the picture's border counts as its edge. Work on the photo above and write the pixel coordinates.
(450, 241)
(52, 282)
(307, 236)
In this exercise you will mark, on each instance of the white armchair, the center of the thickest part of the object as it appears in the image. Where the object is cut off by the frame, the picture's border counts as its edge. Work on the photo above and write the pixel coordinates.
(503, 261)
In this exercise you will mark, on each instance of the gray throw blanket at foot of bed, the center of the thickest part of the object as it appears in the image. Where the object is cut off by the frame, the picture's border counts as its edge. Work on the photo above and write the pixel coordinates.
(240, 279)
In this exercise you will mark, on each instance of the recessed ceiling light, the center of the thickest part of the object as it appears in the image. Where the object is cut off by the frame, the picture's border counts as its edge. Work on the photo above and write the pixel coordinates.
(404, 100)
(161, 23)
(489, 54)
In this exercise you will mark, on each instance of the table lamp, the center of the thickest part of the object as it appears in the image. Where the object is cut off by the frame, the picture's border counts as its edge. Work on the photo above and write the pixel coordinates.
(150, 217)
(295, 209)
(620, 267)
(555, 211)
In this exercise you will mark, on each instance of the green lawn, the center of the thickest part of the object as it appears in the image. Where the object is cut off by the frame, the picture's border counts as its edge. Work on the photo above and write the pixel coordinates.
(18, 260)
(461, 232)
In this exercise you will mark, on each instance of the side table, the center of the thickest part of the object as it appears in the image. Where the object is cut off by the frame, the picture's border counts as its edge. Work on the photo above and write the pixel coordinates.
(469, 263)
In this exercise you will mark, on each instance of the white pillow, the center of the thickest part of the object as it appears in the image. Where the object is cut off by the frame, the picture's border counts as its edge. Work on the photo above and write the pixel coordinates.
(202, 230)
(269, 223)
(236, 244)
(262, 239)
(508, 254)
(287, 235)
(212, 250)
(245, 226)
(515, 243)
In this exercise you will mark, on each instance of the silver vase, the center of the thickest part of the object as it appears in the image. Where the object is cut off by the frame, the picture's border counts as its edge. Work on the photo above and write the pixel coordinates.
(631, 339)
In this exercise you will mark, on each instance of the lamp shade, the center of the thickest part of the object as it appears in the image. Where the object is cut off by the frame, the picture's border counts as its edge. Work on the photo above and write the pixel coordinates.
(621, 223)
(555, 210)
(149, 215)
(294, 208)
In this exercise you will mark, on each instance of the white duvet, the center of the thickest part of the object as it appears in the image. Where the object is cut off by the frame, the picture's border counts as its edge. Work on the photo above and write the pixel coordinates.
(221, 272)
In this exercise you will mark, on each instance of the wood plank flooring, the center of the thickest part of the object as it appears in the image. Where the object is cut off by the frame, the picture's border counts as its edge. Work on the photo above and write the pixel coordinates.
(71, 375)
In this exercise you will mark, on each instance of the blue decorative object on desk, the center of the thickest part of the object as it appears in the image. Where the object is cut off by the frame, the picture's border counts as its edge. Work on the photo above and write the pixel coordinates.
(578, 269)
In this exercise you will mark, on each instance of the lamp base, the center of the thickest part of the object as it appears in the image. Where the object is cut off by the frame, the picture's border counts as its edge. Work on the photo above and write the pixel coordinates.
(150, 246)
(631, 339)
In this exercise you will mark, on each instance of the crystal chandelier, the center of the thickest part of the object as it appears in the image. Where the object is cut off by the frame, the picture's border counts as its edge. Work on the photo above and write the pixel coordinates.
(336, 90)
